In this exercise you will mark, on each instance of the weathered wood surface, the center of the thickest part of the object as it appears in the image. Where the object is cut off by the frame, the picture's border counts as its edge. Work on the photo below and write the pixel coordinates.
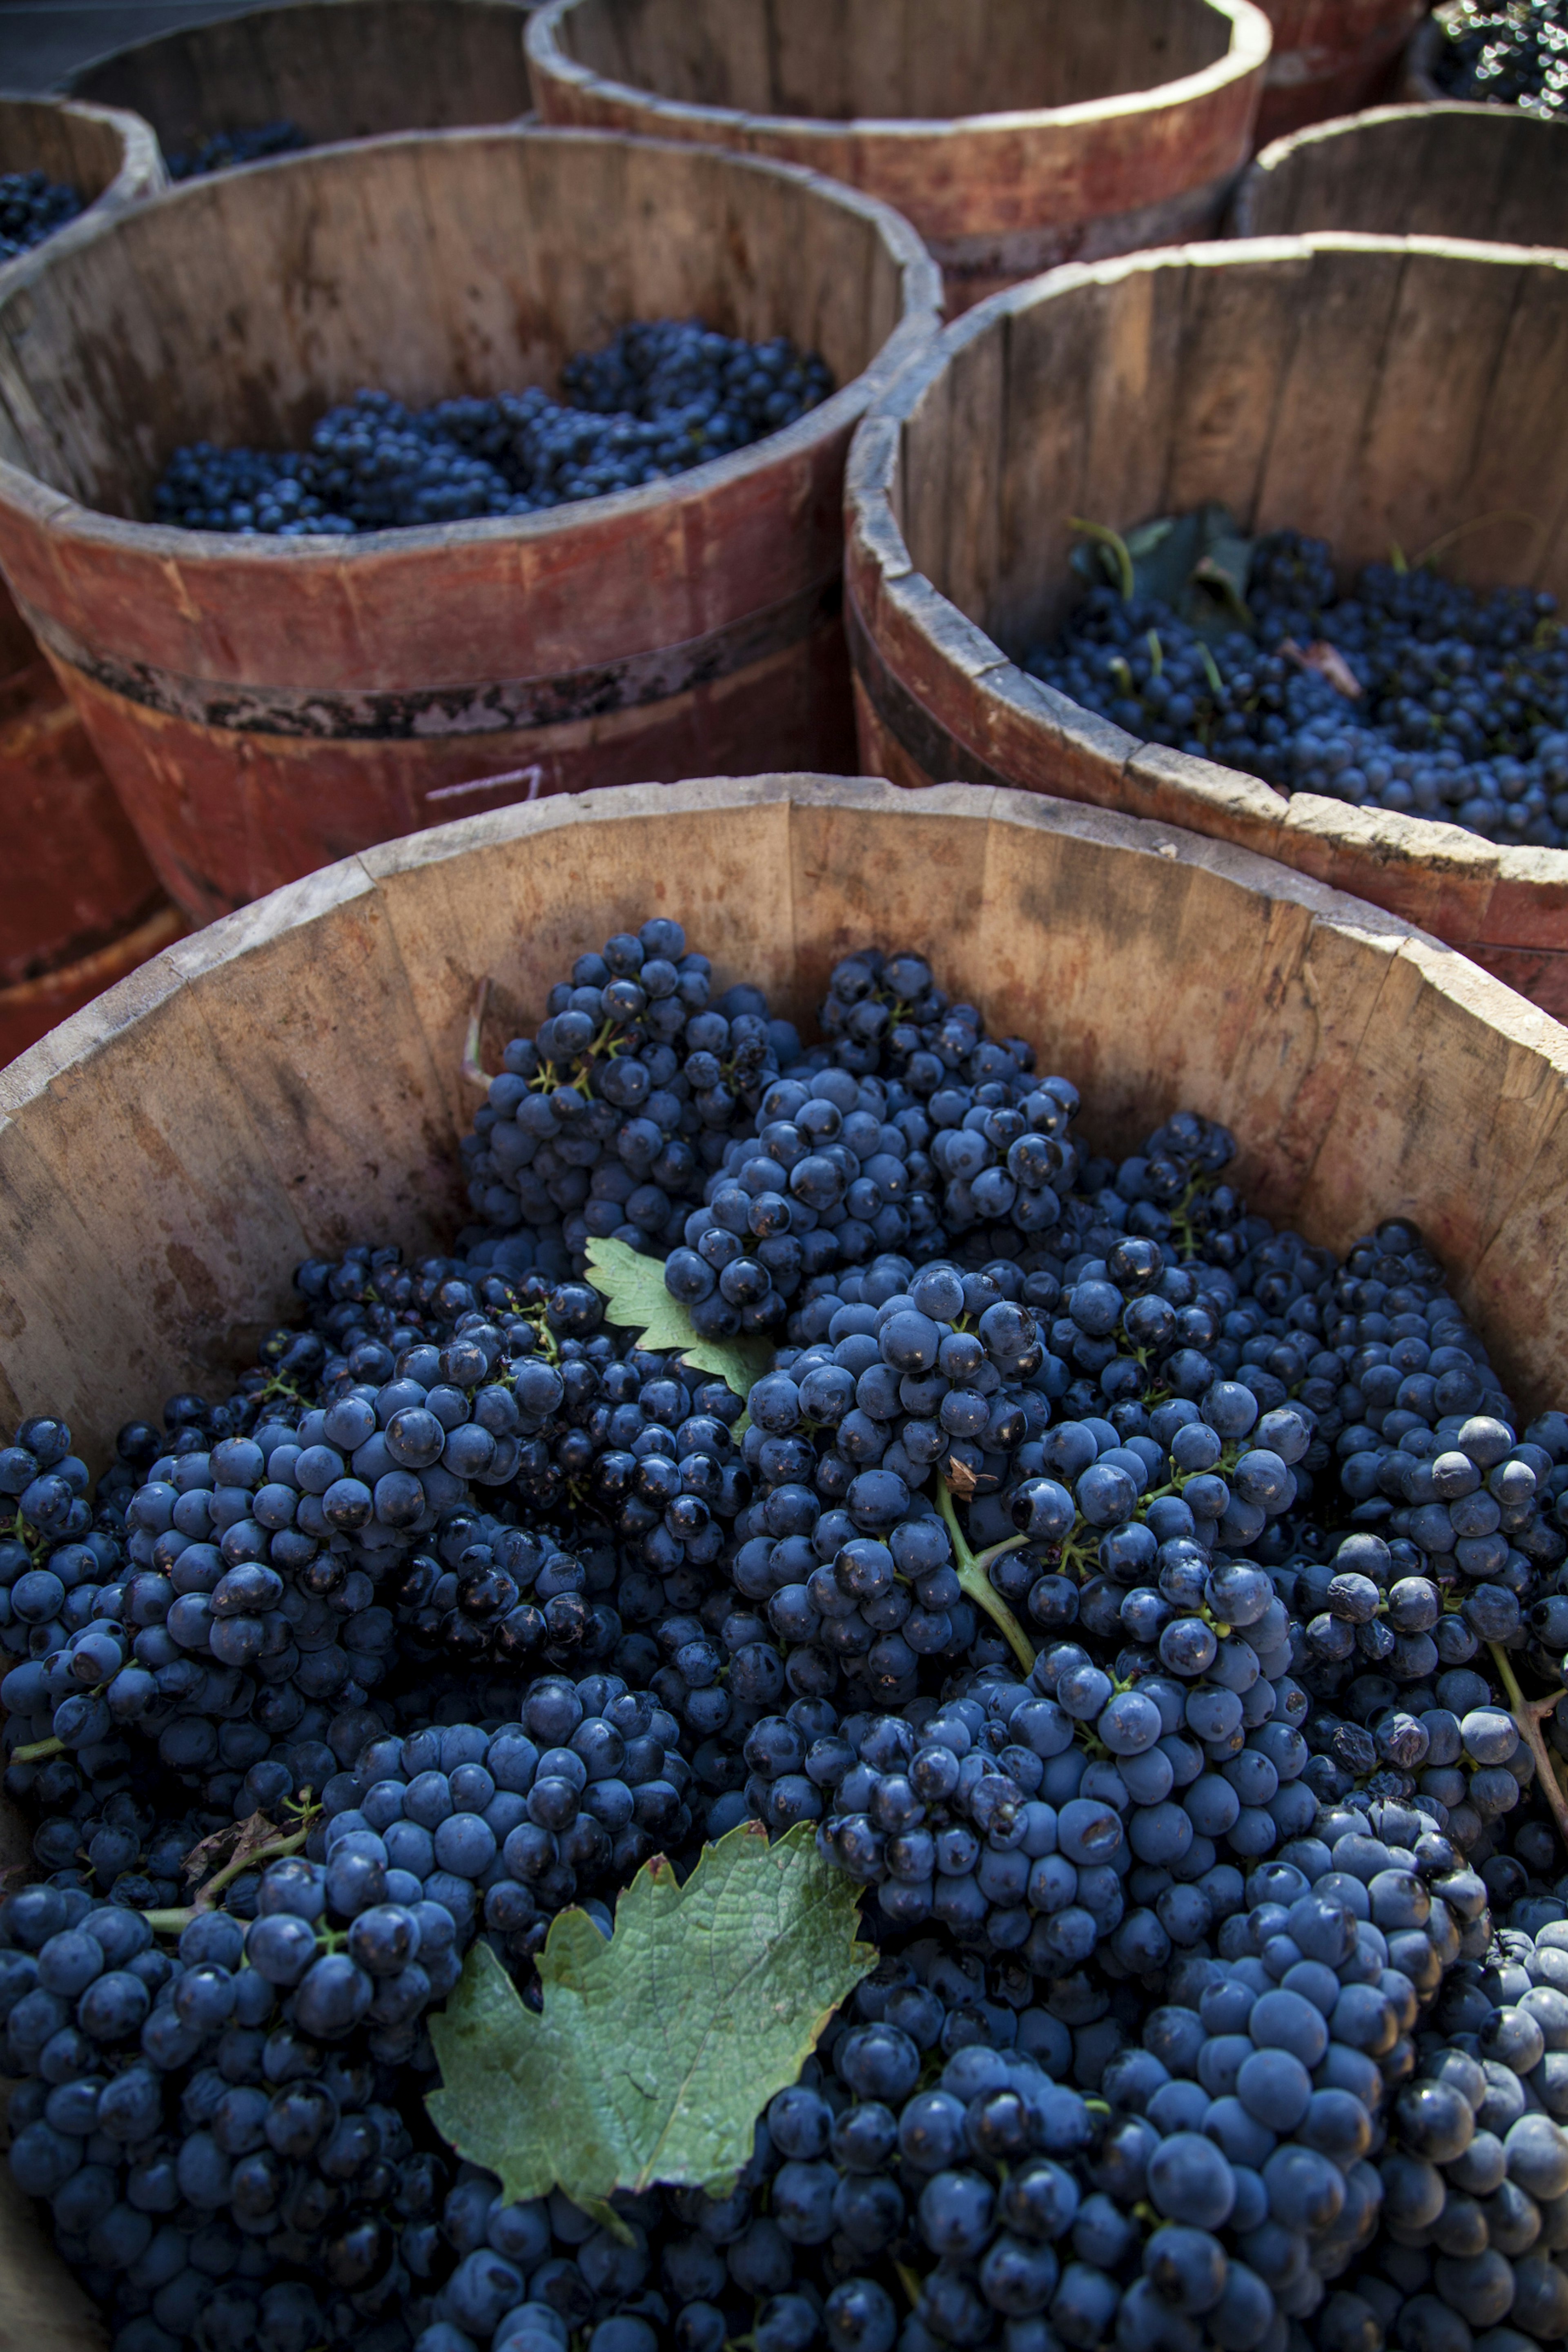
(1014, 138)
(76, 884)
(1371, 393)
(339, 69)
(109, 157)
(265, 705)
(290, 1078)
(1480, 172)
(1330, 57)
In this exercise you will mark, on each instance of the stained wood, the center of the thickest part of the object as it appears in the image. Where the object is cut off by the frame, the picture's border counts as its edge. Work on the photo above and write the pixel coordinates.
(1016, 136)
(79, 892)
(109, 157)
(239, 308)
(1486, 172)
(338, 69)
(1330, 57)
(76, 876)
(1374, 393)
(165, 1155)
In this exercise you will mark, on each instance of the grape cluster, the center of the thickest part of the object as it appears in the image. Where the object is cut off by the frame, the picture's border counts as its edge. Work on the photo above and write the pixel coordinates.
(1448, 704)
(32, 206)
(608, 1121)
(1134, 1597)
(664, 396)
(221, 150)
(1512, 55)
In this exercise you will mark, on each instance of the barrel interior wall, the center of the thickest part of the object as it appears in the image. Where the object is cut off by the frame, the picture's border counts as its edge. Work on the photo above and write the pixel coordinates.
(235, 310)
(1378, 399)
(1436, 170)
(65, 144)
(352, 69)
(837, 61)
(169, 1154)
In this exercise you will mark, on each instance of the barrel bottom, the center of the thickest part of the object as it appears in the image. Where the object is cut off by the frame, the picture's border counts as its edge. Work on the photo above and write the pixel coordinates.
(226, 814)
(31, 1008)
(75, 877)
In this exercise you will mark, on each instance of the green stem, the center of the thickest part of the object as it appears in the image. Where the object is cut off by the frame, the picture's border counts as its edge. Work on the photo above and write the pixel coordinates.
(972, 1576)
(35, 1752)
(171, 1923)
(1117, 546)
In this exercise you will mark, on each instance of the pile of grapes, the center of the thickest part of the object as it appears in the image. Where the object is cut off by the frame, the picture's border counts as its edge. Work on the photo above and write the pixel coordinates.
(664, 396)
(1515, 54)
(32, 206)
(1142, 1604)
(1408, 693)
(222, 150)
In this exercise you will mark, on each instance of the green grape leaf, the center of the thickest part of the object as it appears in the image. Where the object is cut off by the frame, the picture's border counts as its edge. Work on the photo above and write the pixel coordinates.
(1197, 562)
(655, 2053)
(632, 1288)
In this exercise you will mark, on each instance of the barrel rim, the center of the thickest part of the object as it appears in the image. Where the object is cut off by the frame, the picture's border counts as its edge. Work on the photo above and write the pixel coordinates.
(140, 177)
(1280, 152)
(1251, 43)
(875, 543)
(295, 907)
(64, 518)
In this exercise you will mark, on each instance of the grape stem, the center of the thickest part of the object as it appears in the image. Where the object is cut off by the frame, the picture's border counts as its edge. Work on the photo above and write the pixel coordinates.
(972, 1576)
(173, 1922)
(1528, 1714)
(35, 1752)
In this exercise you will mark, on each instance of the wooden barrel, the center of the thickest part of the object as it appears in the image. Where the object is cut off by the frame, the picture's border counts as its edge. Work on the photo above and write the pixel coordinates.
(111, 158)
(352, 69)
(168, 1154)
(1014, 135)
(1367, 391)
(1330, 57)
(266, 705)
(1485, 173)
(80, 905)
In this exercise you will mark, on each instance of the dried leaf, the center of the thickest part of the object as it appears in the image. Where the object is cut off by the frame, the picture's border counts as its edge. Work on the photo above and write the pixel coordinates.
(656, 2051)
(231, 1847)
(1328, 662)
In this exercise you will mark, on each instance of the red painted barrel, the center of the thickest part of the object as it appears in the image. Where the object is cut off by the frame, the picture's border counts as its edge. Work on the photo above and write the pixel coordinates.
(1330, 57)
(1371, 393)
(81, 906)
(353, 71)
(1015, 134)
(1486, 173)
(265, 705)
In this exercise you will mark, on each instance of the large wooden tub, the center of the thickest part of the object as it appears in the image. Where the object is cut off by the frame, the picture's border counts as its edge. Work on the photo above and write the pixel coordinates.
(266, 705)
(290, 1078)
(1014, 133)
(1486, 173)
(353, 70)
(1367, 391)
